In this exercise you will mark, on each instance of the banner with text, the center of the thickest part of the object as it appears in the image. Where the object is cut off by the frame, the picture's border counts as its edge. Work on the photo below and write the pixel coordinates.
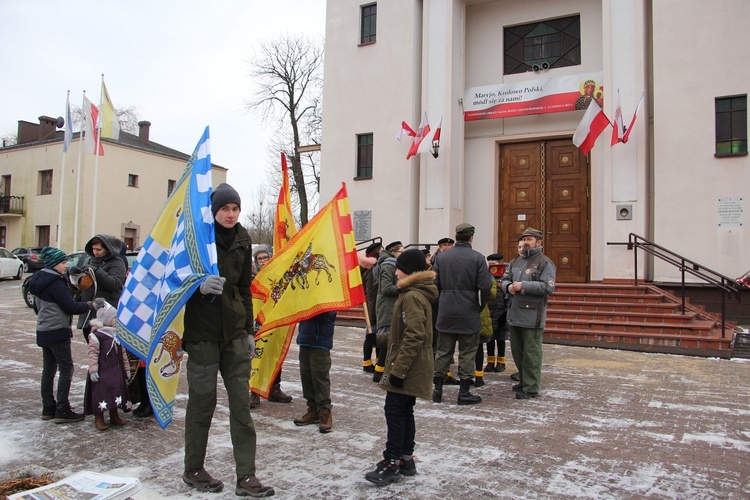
(533, 97)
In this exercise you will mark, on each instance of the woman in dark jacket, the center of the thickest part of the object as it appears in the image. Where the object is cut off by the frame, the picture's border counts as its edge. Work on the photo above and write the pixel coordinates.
(110, 271)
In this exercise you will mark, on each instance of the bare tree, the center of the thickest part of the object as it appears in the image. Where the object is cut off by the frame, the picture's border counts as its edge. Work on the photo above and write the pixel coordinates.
(288, 72)
(127, 117)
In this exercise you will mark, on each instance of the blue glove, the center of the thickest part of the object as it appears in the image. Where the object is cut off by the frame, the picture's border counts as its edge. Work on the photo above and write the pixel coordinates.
(94, 377)
(396, 381)
(213, 285)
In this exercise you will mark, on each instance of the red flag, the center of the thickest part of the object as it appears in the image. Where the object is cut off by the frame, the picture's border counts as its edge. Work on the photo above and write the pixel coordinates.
(405, 130)
(430, 138)
(635, 115)
(592, 124)
(91, 114)
(424, 129)
(618, 127)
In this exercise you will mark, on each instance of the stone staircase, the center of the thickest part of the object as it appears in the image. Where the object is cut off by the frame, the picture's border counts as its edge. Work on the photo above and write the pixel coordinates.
(640, 318)
(618, 315)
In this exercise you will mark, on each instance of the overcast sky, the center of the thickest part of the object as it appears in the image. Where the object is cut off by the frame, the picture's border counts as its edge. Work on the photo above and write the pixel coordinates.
(183, 64)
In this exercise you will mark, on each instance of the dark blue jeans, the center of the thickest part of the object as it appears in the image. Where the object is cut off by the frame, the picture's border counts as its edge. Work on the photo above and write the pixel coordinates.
(53, 357)
(399, 416)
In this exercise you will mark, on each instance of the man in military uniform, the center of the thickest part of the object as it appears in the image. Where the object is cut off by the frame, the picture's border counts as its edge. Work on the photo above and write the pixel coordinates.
(529, 280)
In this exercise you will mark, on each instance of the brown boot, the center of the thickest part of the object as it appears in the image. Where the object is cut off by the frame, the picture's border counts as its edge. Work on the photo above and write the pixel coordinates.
(254, 400)
(278, 396)
(114, 418)
(311, 417)
(326, 421)
(99, 422)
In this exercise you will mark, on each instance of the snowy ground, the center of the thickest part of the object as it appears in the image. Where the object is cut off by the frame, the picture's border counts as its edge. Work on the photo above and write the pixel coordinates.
(608, 424)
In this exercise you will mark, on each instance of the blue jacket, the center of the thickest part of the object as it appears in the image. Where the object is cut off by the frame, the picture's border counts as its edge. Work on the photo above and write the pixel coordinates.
(317, 331)
(55, 307)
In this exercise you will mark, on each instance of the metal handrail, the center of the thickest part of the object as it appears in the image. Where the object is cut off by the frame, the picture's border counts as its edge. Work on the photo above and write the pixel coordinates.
(685, 265)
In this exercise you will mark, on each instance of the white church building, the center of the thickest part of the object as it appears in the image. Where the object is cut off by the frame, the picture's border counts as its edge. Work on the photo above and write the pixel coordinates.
(508, 82)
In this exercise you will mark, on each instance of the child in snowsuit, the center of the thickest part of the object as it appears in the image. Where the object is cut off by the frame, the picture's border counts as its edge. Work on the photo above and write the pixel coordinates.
(109, 371)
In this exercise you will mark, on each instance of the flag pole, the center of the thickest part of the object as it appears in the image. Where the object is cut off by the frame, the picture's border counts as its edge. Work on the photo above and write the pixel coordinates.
(78, 175)
(62, 175)
(96, 161)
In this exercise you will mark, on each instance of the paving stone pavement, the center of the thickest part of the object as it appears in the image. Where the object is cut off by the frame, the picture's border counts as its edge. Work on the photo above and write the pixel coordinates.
(607, 424)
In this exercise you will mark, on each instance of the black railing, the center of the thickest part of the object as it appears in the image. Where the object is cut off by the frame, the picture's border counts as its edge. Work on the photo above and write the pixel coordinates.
(685, 265)
(11, 205)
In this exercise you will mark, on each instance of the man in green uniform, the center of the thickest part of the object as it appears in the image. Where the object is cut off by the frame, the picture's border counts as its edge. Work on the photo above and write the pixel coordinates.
(529, 280)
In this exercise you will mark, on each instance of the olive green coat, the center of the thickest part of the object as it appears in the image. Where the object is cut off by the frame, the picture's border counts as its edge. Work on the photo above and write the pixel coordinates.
(410, 354)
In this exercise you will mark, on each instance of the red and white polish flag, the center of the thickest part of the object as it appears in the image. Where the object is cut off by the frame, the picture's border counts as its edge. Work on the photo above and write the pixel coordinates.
(424, 129)
(592, 124)
(635, 115)
(405, 129)
(618, 127)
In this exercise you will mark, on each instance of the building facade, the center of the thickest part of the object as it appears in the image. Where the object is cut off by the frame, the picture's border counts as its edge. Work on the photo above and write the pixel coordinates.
(505, 78)
(48, 200)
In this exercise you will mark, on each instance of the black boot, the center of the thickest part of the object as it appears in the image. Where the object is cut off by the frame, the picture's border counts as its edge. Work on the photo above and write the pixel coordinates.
(386, 472)
(437, 393)
(465, 397)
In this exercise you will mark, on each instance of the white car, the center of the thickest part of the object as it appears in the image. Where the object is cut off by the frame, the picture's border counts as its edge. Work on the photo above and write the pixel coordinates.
(10, 265)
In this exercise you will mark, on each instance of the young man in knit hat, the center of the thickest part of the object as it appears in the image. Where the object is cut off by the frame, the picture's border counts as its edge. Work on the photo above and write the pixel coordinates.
(465, 287)
(529, 280)
(218, 338)
(409, 366)
(55, 306)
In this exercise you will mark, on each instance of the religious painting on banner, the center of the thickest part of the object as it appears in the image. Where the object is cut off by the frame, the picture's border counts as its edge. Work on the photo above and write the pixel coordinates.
(316, 271)
(177, 256)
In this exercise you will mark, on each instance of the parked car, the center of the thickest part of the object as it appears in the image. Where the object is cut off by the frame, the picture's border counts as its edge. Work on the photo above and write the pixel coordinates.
(75, 259)
(131, 256)
(10, 265)
(30, 257)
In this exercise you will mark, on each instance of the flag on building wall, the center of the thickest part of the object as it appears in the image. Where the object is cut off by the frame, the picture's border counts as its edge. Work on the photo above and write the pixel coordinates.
(424, 129)
(284, 226)
(618, 127)
(110, 124)
(635, 115)
(592, 124)
(432, 137)
(179, 253)
(405, 129)
(68, 134)
(91, 119)
(316, 271)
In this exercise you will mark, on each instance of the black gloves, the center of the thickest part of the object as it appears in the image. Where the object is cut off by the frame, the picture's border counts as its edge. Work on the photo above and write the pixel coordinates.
(395, 381)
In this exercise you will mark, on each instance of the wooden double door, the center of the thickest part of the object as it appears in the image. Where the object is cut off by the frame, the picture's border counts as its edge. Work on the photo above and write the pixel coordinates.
(545, 185)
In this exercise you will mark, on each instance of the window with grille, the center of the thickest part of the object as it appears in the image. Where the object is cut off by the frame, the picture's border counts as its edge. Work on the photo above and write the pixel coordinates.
(368, 23)
(554, 43)
(364, 156)
(731, 125)
(45, 182)
(132, 180)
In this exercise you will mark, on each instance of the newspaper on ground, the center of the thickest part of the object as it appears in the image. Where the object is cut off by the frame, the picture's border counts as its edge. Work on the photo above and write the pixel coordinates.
(85, 485)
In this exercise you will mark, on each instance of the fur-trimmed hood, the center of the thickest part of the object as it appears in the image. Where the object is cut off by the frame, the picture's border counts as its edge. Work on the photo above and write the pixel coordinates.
(422, 280)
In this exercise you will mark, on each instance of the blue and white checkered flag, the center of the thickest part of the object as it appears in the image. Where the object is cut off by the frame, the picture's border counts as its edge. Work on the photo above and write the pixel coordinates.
(179, 253)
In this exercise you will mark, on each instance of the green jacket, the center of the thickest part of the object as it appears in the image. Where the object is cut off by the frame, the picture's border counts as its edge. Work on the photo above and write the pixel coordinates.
(385, 274)
(230, 315)
(410, 354)
(485, 316)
